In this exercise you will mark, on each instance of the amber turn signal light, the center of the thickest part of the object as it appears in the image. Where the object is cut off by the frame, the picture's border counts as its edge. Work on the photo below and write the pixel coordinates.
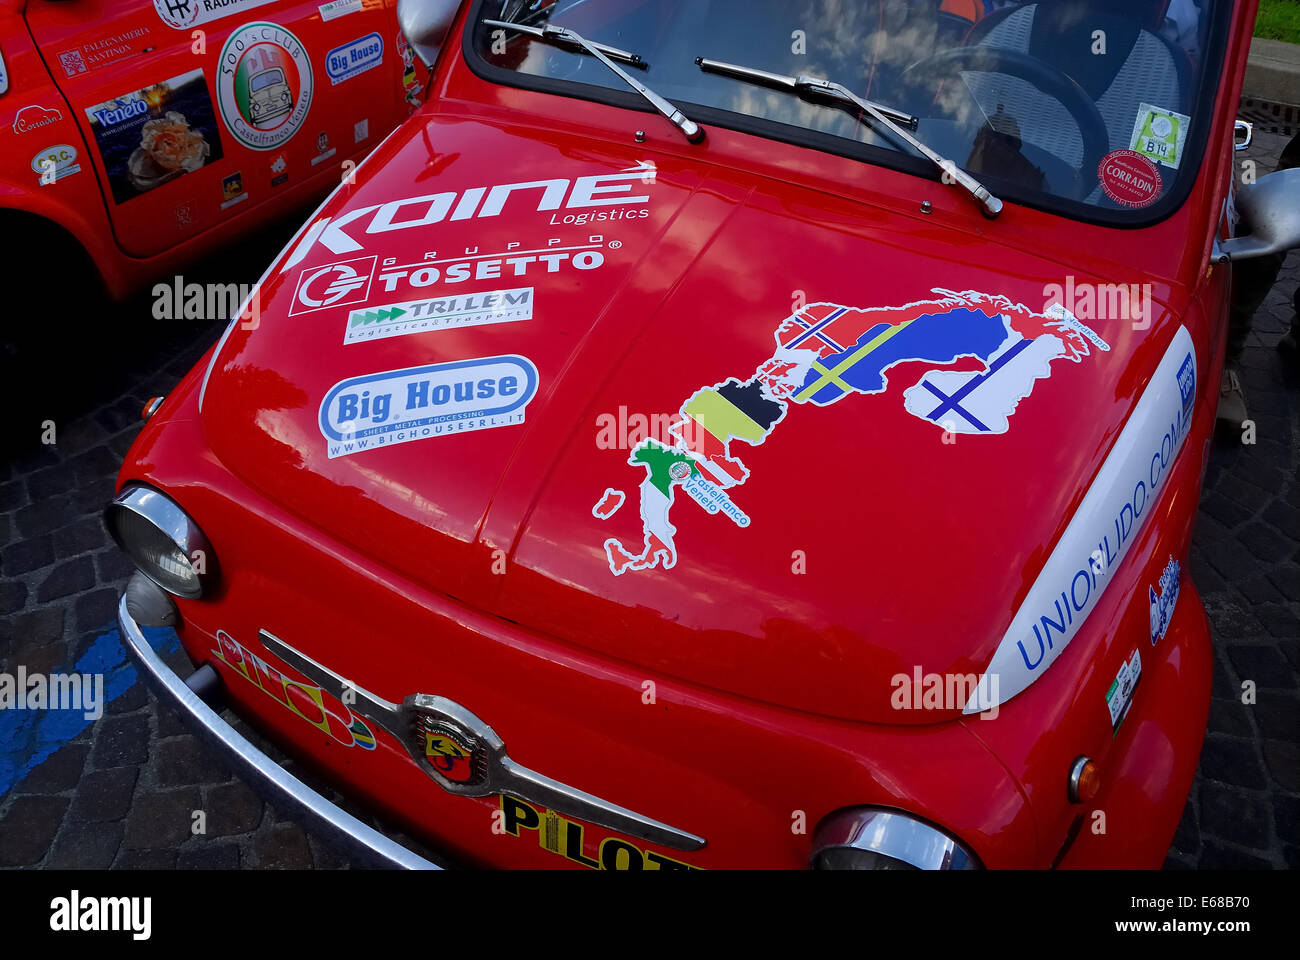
(1085, 780)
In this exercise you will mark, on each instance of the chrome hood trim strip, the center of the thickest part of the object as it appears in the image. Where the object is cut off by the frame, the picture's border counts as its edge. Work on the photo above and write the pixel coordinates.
(498, 774)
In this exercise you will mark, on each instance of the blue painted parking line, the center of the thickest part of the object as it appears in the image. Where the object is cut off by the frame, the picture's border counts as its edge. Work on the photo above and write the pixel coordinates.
(30, 737)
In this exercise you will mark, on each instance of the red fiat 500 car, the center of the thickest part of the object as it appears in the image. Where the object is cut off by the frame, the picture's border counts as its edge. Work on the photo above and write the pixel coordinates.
(731, 434)
(141, 136)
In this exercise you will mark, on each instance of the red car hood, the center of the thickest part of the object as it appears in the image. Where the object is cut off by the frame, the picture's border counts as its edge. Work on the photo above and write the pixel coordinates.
(856, 538)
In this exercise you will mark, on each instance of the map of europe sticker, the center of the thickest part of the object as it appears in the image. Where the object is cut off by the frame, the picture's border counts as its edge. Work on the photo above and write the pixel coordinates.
(1160, 134)
(826, 352)
(420, 403)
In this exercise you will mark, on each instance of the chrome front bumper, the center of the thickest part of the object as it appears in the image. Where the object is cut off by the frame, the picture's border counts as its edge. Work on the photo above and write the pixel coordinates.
(366, 846)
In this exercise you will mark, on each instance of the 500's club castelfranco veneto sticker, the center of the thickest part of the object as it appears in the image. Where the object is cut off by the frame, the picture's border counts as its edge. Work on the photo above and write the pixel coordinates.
(264, 85)
(420, 403)
(440, 313)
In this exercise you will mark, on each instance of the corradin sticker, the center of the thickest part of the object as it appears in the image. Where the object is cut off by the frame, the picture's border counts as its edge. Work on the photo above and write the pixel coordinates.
(420, 403)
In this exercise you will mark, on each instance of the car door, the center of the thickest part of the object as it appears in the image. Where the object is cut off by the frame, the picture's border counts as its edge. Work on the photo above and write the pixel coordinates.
(195, 112)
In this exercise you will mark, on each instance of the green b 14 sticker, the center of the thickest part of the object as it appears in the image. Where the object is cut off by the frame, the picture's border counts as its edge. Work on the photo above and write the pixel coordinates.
(1160, 134)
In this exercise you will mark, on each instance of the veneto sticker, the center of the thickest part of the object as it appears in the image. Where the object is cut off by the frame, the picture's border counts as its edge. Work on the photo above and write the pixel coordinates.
(151, 136)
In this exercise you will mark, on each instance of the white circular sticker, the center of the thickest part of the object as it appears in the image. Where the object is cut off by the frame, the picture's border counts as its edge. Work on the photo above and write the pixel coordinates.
(177, 13)
(264, 85)
(1161, 127)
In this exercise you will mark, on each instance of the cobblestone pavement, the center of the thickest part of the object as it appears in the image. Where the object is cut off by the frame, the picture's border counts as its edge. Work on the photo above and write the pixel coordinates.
(121, 792)
(1244, 809)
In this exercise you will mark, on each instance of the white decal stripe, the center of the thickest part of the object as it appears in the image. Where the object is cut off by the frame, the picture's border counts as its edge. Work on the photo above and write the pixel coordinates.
(1115, 508)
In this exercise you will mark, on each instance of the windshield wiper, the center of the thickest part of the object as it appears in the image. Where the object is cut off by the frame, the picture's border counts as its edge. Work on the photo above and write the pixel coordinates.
(895, 120)
(603, 52)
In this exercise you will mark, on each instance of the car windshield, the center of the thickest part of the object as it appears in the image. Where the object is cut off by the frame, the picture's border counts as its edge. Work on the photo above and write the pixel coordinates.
(1096, 108)
(265, 79)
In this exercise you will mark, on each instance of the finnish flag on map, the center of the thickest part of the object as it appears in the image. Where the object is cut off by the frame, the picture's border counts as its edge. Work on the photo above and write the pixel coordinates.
(983, 401)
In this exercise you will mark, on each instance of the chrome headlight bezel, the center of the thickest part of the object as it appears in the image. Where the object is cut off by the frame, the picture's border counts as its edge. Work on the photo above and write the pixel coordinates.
(171, 522)
(886, 839)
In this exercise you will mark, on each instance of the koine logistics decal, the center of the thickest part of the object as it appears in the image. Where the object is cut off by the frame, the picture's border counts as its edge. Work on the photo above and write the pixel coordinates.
(1114, 510)
(345, 62)
(346, 233)
(420, 403)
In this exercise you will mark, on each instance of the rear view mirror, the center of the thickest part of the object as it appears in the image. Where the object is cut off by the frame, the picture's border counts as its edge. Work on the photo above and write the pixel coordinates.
(425, 23)
(1270, 212)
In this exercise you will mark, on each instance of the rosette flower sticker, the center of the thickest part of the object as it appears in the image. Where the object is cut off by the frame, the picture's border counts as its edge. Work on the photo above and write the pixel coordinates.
(168, 148)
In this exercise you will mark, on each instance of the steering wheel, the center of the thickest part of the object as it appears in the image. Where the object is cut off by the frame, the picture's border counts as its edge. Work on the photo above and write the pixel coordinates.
(562, 64)
(1062, 88)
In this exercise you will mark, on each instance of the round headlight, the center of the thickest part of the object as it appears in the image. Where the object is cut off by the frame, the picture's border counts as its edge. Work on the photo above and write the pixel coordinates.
(162, 539)
(871, 838)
